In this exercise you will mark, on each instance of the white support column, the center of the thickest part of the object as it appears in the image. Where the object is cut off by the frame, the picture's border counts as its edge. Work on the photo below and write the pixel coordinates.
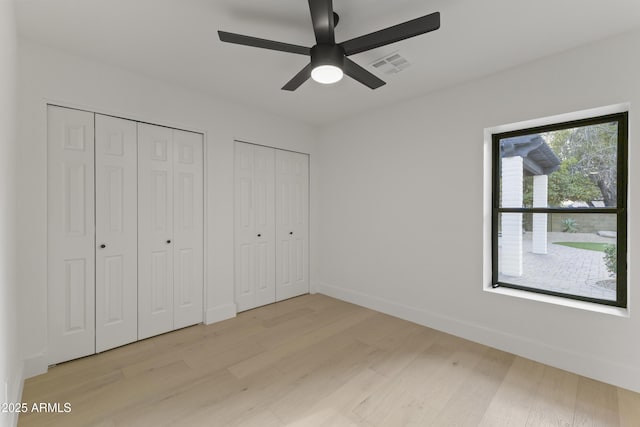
(540, 189)
(512, 193)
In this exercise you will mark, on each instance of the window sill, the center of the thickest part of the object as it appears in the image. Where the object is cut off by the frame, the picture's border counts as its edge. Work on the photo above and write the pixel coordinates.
(566, 302)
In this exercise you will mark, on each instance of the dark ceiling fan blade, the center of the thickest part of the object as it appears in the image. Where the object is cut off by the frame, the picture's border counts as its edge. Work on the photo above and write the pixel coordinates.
(263, 43)
(393, 34)
(322, 19)
(358, 73)
(299, 78)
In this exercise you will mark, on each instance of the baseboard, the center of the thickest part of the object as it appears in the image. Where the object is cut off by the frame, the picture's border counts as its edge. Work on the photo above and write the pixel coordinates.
(35, 365)
(219, 313)
(14, 395)
(627, 377)
(314, 286)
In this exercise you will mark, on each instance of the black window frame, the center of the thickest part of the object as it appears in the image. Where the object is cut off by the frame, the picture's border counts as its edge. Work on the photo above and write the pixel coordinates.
(620, 210)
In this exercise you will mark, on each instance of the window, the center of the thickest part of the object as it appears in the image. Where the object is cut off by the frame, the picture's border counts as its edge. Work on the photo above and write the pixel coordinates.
(559, 209)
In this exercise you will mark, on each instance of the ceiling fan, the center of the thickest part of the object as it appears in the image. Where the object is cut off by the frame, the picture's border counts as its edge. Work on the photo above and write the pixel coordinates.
(329, 60)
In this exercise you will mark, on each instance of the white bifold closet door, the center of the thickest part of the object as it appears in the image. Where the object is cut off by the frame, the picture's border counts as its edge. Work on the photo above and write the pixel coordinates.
(71, 234)
(271, 225)
(292, 224)
(116, 202)
(125, 231)
(170, 228)
(254, 225)
(92, 257)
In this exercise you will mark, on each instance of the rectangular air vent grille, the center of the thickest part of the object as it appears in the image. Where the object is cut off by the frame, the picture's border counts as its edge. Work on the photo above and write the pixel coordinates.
(390, 64)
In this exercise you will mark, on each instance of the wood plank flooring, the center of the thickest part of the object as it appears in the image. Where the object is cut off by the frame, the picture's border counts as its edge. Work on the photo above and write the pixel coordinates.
(316, 361)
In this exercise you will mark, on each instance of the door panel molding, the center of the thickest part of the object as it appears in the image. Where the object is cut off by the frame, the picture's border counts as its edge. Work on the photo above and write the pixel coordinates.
(116, 229)
(292, 224)
(155, 230)
(254, 225)
(70, 234)
(188, 229)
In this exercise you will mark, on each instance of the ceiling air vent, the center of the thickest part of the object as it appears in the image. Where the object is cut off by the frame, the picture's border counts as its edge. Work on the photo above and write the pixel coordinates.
(390, 64)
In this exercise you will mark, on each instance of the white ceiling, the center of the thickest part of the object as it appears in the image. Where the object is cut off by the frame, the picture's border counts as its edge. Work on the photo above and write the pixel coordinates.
(176, 41)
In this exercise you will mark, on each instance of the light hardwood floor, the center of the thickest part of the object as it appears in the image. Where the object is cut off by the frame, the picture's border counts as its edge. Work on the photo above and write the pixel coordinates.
(317, 361)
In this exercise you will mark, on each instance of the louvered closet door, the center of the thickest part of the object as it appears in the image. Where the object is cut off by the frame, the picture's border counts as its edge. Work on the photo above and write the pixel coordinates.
(71, 239)
(292, 224)
(254, 226)
(188, 234)
(155, 230)
(116, 232)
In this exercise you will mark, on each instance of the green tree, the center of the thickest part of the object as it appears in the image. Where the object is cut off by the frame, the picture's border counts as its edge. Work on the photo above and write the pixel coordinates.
(589, 163)
(588, 168)
(564, 184)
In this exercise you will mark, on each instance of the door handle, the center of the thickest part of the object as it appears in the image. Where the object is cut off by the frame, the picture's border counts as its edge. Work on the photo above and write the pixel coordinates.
(168, 241)
(259, 235)
(291, 232)
(102, 246)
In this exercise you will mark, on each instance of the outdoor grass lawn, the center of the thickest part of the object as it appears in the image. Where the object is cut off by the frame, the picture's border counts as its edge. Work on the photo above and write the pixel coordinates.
(590, 246)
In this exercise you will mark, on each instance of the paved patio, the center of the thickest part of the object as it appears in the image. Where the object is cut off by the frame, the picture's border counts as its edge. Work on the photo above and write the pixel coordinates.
(564, 269)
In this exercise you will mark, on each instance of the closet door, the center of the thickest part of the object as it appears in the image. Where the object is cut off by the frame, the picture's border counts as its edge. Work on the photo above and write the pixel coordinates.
(292, 224)
(188, 236)
(71, 234)
(254, 226)
(116, 232)
(155, 230)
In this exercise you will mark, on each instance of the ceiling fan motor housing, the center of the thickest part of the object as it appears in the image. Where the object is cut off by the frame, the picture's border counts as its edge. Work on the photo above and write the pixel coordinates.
(327, 54)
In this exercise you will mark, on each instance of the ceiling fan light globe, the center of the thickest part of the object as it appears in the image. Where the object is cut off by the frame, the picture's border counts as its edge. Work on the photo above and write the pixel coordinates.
(327, 74)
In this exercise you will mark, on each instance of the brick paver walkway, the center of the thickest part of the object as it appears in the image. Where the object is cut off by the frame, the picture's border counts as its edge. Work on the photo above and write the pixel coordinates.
(564, 269)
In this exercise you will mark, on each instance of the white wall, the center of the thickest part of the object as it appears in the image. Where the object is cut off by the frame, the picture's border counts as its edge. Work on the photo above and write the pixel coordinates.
(397, 196)
(51, 75)
(401, 219)
(10, 361)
